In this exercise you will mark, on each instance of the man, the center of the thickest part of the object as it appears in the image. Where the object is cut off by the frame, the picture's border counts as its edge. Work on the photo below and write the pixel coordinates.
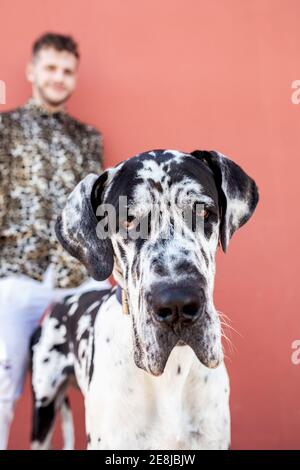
(44, 153)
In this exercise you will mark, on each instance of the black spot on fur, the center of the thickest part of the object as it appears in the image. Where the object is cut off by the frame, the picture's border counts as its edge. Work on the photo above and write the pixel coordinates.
(122, 251)
(68, 370)
(126, 271)
(135, 266)
(139, 242)
(42, 422)
(35, 337)
(155, 185)
(187, 268)
(178, 370)
(91, 371)
(205, 257)
(60, 348)
(160, 269)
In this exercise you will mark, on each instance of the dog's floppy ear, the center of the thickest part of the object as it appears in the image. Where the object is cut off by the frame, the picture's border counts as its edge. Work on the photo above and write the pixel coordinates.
(76, 228)
(238, 193)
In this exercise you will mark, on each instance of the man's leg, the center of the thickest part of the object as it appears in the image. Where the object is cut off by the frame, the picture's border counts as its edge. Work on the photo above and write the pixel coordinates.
(14, 343)
(22, 303)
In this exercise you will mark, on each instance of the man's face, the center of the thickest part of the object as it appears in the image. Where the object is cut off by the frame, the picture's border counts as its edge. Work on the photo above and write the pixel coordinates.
(53, 75)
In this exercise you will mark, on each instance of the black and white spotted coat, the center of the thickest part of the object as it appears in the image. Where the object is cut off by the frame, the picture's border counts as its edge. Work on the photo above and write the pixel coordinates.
(147, 385)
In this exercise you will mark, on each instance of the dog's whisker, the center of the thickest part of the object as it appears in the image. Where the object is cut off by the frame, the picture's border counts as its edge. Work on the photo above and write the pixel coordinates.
(230, 343)
(225, 321)
(228, 358)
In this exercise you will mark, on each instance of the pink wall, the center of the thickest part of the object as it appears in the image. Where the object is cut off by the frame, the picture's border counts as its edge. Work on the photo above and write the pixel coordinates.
(197, 74)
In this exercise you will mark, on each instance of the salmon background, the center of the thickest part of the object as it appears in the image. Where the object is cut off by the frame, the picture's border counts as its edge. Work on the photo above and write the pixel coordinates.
(186, 74)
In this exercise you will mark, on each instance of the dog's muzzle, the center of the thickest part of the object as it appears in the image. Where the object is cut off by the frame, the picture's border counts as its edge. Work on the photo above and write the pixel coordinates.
(180, 315)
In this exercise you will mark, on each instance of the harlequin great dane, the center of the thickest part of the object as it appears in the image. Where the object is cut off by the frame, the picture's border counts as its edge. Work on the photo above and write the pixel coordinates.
(154, 377)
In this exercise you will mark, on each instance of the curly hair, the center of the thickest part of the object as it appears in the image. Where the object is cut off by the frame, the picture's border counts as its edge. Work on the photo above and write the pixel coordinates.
(59, 42)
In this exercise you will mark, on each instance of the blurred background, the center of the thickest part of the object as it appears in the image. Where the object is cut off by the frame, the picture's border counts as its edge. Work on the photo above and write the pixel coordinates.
(187, 74)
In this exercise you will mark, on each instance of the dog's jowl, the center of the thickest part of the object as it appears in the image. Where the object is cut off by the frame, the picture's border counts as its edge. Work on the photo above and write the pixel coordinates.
(147, 355)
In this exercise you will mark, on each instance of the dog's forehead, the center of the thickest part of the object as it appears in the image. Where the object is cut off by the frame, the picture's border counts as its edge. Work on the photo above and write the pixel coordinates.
(160, 164)
(162, 170)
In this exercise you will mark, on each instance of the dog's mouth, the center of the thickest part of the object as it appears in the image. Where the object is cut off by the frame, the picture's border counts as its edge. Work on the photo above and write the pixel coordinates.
(206, 343)
(153, 353)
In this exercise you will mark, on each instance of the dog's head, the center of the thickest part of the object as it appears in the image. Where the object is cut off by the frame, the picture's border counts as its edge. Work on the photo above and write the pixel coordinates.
(158, 218)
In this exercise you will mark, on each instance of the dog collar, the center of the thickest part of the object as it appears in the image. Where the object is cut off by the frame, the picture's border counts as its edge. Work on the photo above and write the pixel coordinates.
(123, 299)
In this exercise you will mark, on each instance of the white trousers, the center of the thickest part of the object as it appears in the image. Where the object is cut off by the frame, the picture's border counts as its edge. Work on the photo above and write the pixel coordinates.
(22, 304)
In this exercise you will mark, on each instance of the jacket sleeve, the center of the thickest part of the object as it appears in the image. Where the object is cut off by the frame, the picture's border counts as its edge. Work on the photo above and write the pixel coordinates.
(4, 170)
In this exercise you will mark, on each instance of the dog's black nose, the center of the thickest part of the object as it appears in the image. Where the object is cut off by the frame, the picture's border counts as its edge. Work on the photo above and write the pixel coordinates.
(178, 304)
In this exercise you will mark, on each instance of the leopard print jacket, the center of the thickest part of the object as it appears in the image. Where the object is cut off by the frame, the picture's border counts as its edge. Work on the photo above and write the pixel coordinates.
(42, 157)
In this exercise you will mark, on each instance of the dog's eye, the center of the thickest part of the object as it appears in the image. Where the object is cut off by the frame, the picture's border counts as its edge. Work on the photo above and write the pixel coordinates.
(129, 223)
(201, 211)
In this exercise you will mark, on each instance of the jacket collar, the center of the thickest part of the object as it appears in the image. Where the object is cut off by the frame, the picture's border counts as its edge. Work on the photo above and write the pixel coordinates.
(37, 109)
